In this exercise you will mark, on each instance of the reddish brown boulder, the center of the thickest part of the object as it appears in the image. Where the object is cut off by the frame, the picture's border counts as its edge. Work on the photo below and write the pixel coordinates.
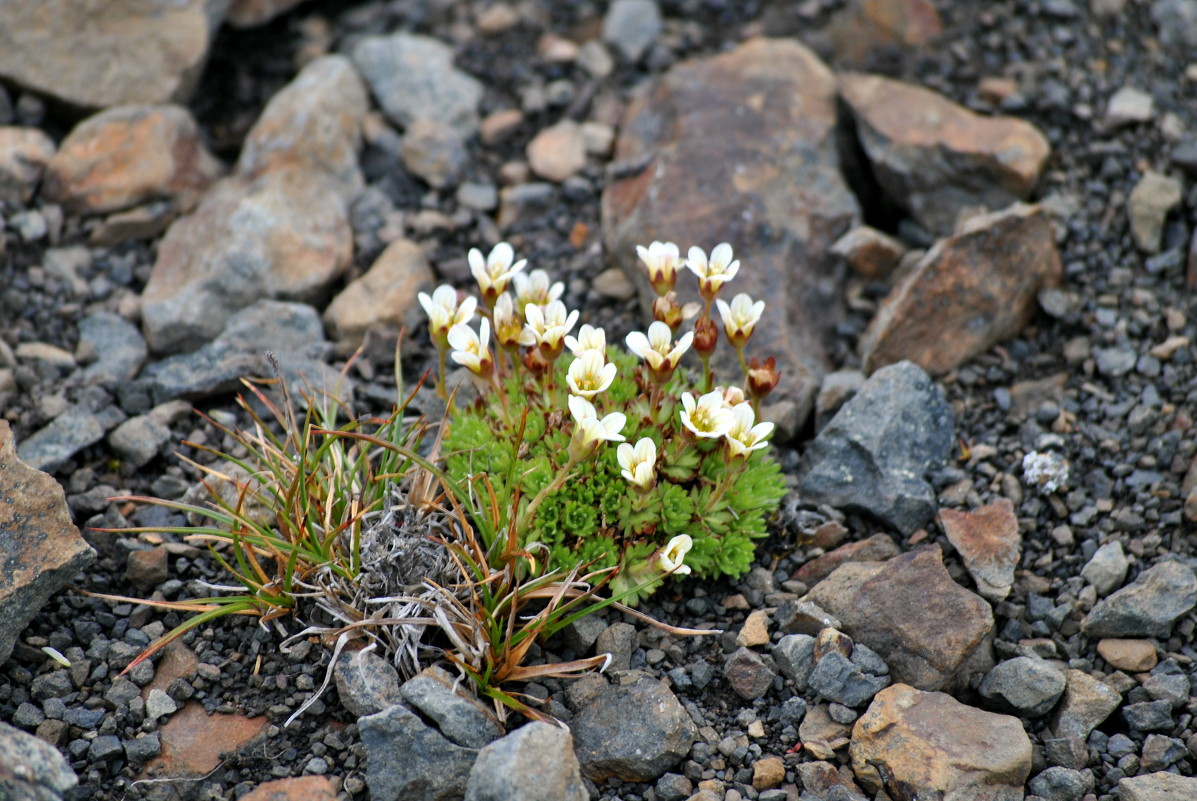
(937, 158)
(876, 548)
(870, 253)
(130, 155)
(968, 293)
(740, 148)
(989, 543)
(300, 788)
(192, 741)
(869, 29)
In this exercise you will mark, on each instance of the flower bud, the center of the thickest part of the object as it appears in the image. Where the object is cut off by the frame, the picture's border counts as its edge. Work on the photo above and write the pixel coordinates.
(762, 378)
(706, 336)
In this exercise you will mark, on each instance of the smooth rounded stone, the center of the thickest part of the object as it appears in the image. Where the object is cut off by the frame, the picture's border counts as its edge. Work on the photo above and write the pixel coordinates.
(534, 761)
(32, 768)
(434, 152)
(933, 742)
(413, 77)
(1133, 656)
(1147, 607)
(407, 759)
(285, 234)
(158, 704)
(795, 658)
(1106, 569)
(1148, 715)
(989, 542)
(1149, 203)
(936, 158)
(748, 674)
(1159, 786)
(459, 716)
(1086, 703)
(871, 254)
(768, 772)
(45, 352)
(478, 196)
(874, 455)
(1025, 685)
(984, 280)
(633, 732)
(558, 152)
(775, 162)
(82, 54)
(617, 641)
(299, 788)
(130, 155)
(366, 683)
(118, 344)
(24, 154)
(631, 26)
(1129, 105)
(313, 123)
(382, 296)
(1062, 784)
(139, 439)
(836, 678)
(147, 568)
(79, 426)
(286, 329)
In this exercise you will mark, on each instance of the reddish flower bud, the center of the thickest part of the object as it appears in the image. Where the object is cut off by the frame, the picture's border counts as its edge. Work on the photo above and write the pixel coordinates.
(706, 336)
(762, 378)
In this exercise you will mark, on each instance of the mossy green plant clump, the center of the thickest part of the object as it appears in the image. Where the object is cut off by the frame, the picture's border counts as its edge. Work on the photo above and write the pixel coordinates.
(605, 456)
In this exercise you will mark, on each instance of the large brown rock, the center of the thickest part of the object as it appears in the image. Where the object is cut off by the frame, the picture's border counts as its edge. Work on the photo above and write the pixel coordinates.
(933, 633)
(920, 744)
(129, 155)
(937, 158)
(740, 148)
(96, 55)
(382, 296)
(988, 541)
(968, 293)
(40, 549)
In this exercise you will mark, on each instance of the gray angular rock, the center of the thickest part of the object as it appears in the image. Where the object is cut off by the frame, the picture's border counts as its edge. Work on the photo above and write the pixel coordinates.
(119, 347)
(1148, 715)
(1148, 606)
(874, 455)
(1086, 703)
(139, 439)
(748, 674)
(795, 658)
(460, 717)
(1061, 784)
(535, 762)
(79, 426)
(1176, 21)
(407, 760)
(1159, 786)
(618, 640)
(413, 77)
(836, 678)
(32, 769)
(1026, 685)
(1148, 205)
(631, 26)
(633, 732)
(434, 152)
(366, 683)
(1106, 569)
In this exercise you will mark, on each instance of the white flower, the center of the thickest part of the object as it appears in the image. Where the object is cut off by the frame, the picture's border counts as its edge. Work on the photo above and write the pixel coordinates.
(589, 338)
(590, 429)
(670, 558)
(743, 438)
(495, 271)
(740, 317)
(714, 273)
(707, 418)
(509, 328)
(588, 375)
(443, 310)
(469, 349)
(657, 349)
(662, 260)
(547, 325)
(534, 287)
(639, 464)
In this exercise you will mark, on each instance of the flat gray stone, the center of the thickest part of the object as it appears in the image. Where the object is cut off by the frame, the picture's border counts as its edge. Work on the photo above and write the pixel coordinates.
(407, 760)
(1148, 607)
(460, 717)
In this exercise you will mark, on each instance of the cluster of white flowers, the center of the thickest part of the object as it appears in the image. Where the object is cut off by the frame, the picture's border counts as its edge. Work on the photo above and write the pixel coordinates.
(725, 413)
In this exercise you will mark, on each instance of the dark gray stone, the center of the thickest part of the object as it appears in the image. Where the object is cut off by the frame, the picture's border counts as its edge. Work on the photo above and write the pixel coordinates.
(366, 683)
(582, 634)
(1086, 703)
(1147, 607)
(409, 761)
(874, 455)
(51, 685)
(673, 787)
(106, 746)
(1061, 784)
(803, 617)
(1025, 685)
(80, 426)
(533, 762)
(119, 347)
(633, 732)
(748, 674)
(1174, 688)
(139, 439)
(1161, 752)
(618, 640)
(460, 717)
(631, 26)
(1148, 715)
(795, 658)
(31, 768)
(837, 679)
(28, 716)
(143, 748)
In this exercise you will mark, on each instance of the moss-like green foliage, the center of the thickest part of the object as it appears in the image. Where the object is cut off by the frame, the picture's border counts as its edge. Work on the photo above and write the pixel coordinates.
(597, 515)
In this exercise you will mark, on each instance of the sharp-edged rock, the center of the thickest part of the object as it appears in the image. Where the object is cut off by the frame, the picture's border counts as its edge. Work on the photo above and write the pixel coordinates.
(458, 715)
(81, 424)
(32, 768)
(366, 683)
(867, 30)
(1148, 607)
(534, 761)
(988, 541)
(407, 760)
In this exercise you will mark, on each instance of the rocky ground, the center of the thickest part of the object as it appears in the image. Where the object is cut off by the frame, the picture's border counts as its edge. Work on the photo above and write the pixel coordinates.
(983, 583)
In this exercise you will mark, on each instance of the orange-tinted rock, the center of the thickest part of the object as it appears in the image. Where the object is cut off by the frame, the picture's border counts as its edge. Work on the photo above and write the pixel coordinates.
(24, 154)
(558, 152)
(869, 29)
(383, 295)
(876, 548)
(251, 13)
(97, 55)
(870, 253)
(988, 541)
(740, 147)
(968, 293)
(303, 788)
(177, 662)
(130, 155)
(41, 547)
(936, 746)
(937, 158)
(1134, 656)
(193, 740)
